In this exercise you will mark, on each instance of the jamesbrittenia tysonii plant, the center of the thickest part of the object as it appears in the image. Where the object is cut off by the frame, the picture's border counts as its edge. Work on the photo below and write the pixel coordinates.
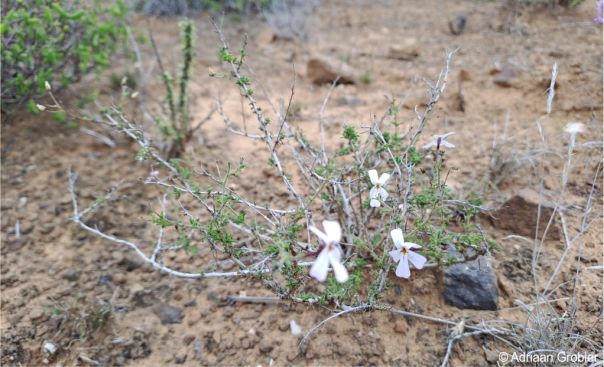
(221, 226)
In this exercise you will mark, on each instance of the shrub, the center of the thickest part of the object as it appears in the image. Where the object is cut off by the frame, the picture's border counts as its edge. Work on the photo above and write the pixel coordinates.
(46, 40)
(365, 214)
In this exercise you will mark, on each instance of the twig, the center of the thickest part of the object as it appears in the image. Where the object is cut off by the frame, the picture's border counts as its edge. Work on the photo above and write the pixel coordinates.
(253, 299)
(105, 140)
(551, 89)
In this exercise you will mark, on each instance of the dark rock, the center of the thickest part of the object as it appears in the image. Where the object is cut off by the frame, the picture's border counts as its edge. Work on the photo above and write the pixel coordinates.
(168, 314)
(180, 359)
(25, 227)
(71, 274)
(519, 216)
(322, 70)
(471, 285)
(105, 279)
(457, 24)
(265, 347)
(229, 311)
(188, 339)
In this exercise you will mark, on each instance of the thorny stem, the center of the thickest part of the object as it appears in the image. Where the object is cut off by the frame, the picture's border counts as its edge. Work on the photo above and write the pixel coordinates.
(262, 121)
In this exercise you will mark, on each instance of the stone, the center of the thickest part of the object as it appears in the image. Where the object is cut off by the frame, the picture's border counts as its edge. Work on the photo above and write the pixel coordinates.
(47, 228)
(36, 314)
(407, 49)
(471, 285)
(295, 329)
(104, 279)
(322, 70)
(180, 358)
(188, 339)
(457, 24)
(400, 327)
(168, 314)
(49, 347)
(490, 355)
(25, 227)
(71, 274)
(505, 77)
(265, 347)
(518, 215)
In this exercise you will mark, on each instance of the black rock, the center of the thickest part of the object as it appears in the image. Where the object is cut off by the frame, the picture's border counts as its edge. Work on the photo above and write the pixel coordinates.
(457, 24)
(168, 314)
(471, 285)
(71, 274)
(105, 279)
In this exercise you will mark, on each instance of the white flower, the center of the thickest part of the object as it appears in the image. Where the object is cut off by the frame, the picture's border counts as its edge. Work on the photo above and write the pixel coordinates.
(41, 108)
(47, 85)
(440, 140)
(573, 128)
(378, 188)
(403, 255)
(331, 253)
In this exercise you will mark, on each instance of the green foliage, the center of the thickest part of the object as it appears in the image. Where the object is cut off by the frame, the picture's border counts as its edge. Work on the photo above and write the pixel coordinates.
(353, 138)
(177, 130)
(366, 77)
(54, 41)
(343, 292)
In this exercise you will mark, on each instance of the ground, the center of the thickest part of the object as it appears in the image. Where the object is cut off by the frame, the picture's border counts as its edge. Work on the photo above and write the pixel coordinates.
(54, 276)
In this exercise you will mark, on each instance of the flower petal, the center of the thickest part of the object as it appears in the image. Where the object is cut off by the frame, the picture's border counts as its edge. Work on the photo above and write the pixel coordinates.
(383, 178)
(411, 245)
(396, 255)
(373, 176)
(446, 144)
(444, 136)
(339, 270)
(416, 259)
(333, 231)
(374, 203)
(430, 144)
(321, 266)
(397, 237)
(402, 270)
(383, 193)
(373, 193)
(322, 236)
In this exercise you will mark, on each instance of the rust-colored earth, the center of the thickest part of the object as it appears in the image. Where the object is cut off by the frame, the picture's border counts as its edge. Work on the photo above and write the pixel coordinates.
(496, 96)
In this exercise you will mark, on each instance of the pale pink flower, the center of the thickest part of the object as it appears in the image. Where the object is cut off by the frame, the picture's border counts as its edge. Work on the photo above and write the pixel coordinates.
(403, 254)
(331, 253)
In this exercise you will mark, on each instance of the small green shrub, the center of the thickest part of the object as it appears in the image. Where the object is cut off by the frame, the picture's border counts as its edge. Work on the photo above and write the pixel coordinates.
(54, 41)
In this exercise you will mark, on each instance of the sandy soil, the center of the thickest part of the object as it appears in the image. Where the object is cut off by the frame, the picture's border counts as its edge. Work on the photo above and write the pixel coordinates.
(54, 265)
